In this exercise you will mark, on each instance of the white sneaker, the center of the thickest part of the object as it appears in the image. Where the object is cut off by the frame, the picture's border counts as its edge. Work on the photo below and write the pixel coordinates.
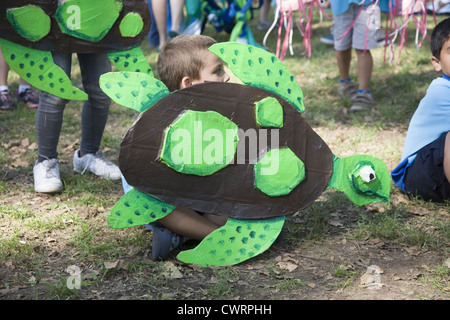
(46, 176)
(97, 164)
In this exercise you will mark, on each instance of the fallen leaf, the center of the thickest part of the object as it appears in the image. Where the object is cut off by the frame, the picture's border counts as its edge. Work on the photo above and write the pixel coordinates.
(287, 266)
(335, 223)
(112, 265)
(25, 143)
(172, 272)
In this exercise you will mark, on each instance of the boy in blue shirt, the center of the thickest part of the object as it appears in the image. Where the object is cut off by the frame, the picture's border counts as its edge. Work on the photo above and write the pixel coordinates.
(424, 169)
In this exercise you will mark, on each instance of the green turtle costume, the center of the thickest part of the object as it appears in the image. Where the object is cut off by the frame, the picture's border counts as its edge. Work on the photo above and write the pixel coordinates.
(31, 30)
(189, 148)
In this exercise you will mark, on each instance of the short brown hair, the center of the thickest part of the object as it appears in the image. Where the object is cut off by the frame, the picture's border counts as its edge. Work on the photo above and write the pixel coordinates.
(182, 56)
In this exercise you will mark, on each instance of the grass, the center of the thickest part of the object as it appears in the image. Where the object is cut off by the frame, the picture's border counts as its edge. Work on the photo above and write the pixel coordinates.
(36, 230)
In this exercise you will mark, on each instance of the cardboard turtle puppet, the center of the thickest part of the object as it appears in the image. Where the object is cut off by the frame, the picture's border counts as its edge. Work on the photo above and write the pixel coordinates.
(31, 30)
(188, 148)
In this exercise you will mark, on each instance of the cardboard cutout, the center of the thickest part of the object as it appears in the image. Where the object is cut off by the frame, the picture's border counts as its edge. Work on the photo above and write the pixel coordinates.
(276, 170)
(31, 30)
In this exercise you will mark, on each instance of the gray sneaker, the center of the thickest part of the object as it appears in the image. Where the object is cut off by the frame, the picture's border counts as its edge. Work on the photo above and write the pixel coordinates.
(348, 90)
(46, 176)
(362, 101)
(97, 164)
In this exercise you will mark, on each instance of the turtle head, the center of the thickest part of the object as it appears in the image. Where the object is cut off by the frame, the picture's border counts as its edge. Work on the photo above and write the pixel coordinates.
(364, 179)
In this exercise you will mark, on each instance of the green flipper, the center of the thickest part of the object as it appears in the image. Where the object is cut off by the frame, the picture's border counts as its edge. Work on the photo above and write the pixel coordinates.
(238, 240)
(39, 70)
(130, 60)
(135, 90)
(136, 209)
(258, 68)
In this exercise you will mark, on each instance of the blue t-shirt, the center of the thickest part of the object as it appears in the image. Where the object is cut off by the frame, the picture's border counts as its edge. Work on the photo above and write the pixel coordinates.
(429, 122)
(340, 6)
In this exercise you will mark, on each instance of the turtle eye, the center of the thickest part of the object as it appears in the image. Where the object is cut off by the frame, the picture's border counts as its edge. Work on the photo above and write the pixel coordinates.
(367, 174)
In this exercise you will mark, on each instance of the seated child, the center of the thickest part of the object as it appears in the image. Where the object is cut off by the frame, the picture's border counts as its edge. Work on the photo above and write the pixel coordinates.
(184, 61)
(424, 170)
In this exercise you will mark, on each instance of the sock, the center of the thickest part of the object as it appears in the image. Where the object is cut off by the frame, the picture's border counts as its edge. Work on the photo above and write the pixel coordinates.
(363, 91)
(23, 88)
(4, 88)
(345, 80)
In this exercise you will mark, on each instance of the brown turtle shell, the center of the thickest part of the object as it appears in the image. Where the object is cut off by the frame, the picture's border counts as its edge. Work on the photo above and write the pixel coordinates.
(61, 42)
(231, 191)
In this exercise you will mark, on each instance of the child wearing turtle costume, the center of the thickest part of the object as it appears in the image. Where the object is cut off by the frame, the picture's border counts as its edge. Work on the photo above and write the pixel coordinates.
(255, 190)
(424, 169)
(183, 62)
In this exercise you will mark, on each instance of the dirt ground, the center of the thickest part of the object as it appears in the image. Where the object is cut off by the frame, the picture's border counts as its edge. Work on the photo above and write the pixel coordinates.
(370, 268)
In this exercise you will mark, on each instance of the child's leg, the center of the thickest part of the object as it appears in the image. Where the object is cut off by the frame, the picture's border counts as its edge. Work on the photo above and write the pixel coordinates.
(176, 13)
(160, 13)
(365, 66)
(189, 223)
(447, 156)
(343, 58)
(4, 69)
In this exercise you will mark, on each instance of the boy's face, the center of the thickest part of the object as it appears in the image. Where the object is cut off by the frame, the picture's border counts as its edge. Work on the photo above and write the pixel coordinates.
(213, 71)
(443, 62)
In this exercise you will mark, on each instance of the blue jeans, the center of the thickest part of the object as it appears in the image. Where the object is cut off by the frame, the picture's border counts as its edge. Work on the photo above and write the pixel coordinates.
(95, 111)
(153, 36)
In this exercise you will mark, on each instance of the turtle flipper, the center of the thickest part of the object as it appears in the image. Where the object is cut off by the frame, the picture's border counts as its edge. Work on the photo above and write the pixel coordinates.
(238, 240)
(39, 70)
(131, 60)
(258, 68)
(135, 209)
(135, 90)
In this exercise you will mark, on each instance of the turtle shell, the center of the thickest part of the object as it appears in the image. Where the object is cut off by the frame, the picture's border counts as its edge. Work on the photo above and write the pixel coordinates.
(230, 191)
(58, 41)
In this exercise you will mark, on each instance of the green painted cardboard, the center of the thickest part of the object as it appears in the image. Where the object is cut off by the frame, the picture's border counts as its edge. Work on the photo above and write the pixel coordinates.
(37, 67)
(199, 143)
(29, 21)
(235, 242)
(135, 90)
(136, 209)
(131, 25)
(94, 23)
(269, 113)
(261, 69)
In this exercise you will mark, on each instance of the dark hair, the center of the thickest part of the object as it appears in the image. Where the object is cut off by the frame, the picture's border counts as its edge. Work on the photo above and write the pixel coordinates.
(182, 56)
(440, 35)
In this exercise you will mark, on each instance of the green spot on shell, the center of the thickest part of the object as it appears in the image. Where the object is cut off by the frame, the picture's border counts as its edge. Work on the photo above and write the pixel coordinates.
(183, 153)
(86, 19)
(30, 21)
(279, 172)
(131, 25)
(269, 113)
